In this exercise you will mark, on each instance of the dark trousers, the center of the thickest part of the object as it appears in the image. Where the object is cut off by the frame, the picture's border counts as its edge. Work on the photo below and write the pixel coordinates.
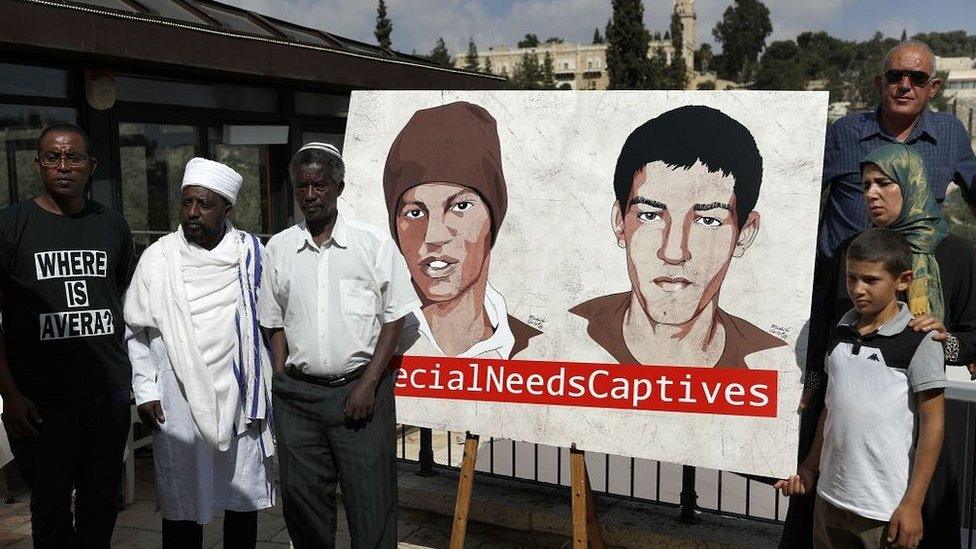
(79, 449)
(318, 449)
(240, 532)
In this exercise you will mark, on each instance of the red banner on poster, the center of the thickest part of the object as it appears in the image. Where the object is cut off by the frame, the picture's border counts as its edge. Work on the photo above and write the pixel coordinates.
(726, 391)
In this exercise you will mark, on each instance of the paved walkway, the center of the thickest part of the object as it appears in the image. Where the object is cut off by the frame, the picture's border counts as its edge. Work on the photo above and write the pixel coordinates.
(139, 525)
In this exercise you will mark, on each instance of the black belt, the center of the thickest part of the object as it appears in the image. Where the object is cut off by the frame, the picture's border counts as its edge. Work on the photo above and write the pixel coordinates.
(325, 381)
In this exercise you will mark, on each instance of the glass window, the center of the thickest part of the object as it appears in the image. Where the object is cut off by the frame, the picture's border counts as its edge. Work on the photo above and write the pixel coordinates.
(191, 94)
(232, 20)
(114, 4)
(300, 35)
(322, 104)
(334, 139)
(20, 125)
(252, 212)
(172, 10)
(36, 81)
(152, 157)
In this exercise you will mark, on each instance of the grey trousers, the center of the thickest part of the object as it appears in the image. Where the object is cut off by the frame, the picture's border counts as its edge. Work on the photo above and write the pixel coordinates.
(318, 449)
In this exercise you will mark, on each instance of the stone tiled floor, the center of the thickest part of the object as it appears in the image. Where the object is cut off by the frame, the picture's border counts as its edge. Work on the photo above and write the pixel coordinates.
(139, 525)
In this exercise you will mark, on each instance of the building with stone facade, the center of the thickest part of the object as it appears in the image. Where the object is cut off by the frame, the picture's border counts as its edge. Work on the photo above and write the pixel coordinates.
(584, 66)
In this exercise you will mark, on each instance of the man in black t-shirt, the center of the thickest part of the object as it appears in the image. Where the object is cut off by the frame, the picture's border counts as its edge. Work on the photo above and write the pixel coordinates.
(64, 372)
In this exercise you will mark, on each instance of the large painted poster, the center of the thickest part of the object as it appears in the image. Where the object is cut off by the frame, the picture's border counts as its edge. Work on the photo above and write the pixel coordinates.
(626, 271)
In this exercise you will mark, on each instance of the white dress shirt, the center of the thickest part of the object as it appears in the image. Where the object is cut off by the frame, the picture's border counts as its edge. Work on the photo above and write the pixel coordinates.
(498, 345)
(332, 300)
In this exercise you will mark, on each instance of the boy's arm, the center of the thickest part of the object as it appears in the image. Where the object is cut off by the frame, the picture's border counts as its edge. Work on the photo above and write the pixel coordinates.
(806, 474)
(905, 527)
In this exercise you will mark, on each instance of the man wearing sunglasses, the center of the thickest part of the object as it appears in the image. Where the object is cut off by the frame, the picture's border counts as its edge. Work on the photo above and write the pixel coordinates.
(906, 84)
(64, 374)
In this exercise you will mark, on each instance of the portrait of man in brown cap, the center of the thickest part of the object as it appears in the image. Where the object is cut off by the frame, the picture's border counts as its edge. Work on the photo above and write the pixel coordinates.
(446, 197)
(686, 185)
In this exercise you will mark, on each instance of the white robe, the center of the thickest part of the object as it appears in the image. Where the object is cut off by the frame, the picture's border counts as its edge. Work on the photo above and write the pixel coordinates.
(194, 479)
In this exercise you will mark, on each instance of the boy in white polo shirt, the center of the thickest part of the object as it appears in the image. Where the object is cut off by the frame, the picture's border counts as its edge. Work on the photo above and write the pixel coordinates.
(881, 430)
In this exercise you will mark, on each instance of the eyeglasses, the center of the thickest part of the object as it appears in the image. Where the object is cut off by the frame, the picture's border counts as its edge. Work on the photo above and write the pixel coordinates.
(917, 78)
(74, 160)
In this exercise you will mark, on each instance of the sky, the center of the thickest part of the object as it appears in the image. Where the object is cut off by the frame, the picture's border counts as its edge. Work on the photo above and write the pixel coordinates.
(418, 23)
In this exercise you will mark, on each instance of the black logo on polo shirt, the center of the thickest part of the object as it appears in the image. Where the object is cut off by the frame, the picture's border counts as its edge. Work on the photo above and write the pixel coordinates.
(874, 357)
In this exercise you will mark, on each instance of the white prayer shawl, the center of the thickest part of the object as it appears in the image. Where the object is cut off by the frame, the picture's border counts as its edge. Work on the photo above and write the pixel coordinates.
(159, 300)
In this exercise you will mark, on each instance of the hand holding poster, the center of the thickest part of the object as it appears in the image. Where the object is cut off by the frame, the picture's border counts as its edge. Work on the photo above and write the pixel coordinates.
(627, 271)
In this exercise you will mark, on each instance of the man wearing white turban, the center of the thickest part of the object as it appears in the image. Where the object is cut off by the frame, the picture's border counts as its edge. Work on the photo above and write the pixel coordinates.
(200, 368)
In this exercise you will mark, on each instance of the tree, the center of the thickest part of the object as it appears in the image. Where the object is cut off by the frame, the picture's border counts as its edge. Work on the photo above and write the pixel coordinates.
(677, 33)
(949, 44)
(658, 71)
(597, 39)
(439, 54)
(939, 102)
(530, 41)
(383, 26)
(676, 75)
(627, 43)
(742, 32)
(904, 35)
(548, 80)
(780, 68)
(554, 40)
(956, 213)
(471, 59)
(703, 58)
(528, 74)
(488, 66)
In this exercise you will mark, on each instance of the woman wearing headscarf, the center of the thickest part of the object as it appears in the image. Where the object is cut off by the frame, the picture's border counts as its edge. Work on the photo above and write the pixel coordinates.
(941, 298)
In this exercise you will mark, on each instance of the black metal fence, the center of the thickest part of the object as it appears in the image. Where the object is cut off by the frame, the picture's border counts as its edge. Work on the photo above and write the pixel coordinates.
(688, 489)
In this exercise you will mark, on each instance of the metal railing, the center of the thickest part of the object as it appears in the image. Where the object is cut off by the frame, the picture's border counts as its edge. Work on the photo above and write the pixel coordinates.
(688, 489)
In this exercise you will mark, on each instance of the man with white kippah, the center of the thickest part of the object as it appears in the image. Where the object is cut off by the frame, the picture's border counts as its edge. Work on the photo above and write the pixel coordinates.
(334, 298)
(200, 368)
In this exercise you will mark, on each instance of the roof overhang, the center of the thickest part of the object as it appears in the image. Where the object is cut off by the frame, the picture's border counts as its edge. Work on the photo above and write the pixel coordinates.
(102, 35)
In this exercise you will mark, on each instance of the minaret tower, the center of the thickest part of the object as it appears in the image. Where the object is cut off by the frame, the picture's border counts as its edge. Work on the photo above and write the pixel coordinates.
(686, 11)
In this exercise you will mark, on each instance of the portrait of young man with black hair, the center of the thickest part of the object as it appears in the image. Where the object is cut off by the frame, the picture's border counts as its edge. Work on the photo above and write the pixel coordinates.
(686, 185)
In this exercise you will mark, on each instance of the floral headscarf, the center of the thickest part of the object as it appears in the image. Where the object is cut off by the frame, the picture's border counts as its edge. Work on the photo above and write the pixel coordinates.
(920, 222)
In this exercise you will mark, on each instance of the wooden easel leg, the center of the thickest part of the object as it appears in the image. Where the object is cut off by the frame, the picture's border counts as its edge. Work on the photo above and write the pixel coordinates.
(586, 527)
(465, 484)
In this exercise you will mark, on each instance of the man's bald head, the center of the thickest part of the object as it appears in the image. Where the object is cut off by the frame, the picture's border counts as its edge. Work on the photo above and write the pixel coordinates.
(915, 49)
(906, 84)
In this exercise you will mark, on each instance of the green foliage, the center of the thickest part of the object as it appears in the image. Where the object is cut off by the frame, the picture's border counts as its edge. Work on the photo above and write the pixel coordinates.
(554, 40)
(488, 66)
(529, 74)
(384, 27)
(703, 58)
(676, 76)
(627, 41)
(780, 68)
(597, 39)
(847, 67)
(939, 102)
(949, 44)
(677, 33)
(958, 215)
(530, 41)
(471, 59)
(548, 81)
(742, 32)
(439, 54)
